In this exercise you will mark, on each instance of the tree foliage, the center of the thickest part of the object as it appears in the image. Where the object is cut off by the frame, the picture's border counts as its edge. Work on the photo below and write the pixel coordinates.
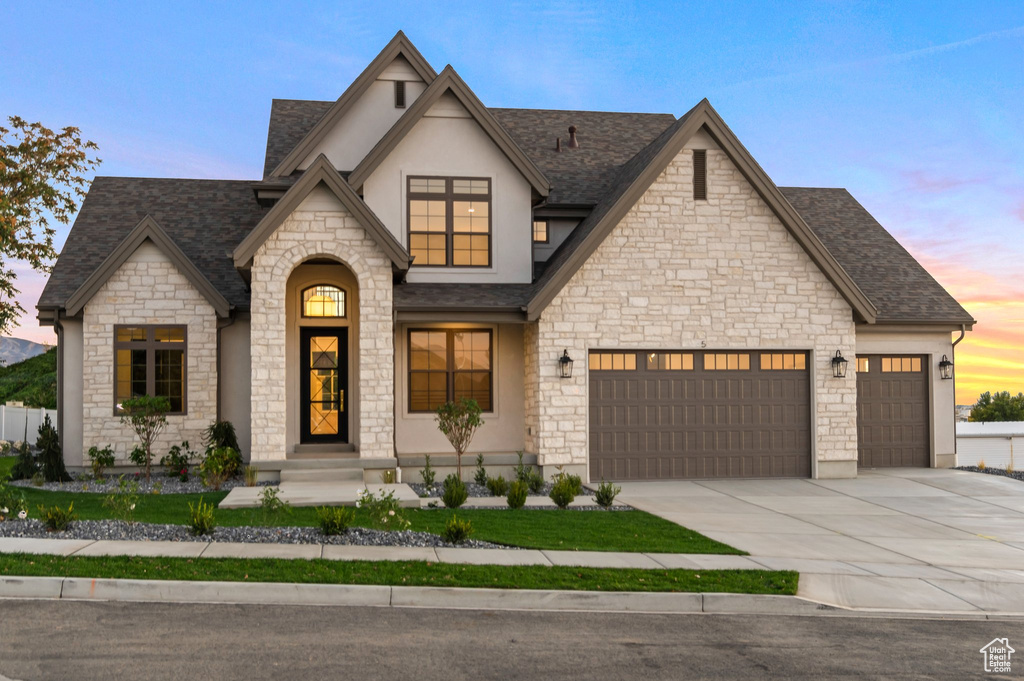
(459, 421)
(998, 407)
(147, 416)
(42, 176)
(32, 381)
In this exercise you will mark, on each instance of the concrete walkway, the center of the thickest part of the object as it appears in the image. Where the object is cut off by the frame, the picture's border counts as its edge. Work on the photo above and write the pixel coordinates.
(914, 539)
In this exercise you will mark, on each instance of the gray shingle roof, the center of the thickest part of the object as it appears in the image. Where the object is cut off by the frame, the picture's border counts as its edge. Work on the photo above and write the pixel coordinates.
(898, 286)
(464, 296)
(290, 120)
(205, 218)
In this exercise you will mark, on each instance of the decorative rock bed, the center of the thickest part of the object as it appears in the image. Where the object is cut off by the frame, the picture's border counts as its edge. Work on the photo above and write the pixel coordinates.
(165, 484)
(1016, 475)
(119, 530)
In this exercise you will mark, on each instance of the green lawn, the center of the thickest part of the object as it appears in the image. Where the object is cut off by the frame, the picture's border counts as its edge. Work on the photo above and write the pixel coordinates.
(403, 574)
(538, 529)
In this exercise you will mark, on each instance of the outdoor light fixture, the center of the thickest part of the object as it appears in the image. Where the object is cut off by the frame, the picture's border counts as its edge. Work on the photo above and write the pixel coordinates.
(565, 365)
(945, 368)
(839, 365)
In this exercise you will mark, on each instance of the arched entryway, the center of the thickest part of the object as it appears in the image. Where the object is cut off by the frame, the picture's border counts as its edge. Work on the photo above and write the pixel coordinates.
(322, 316)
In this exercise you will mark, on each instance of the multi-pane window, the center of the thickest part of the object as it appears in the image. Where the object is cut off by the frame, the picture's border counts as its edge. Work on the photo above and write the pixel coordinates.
(669, 361)
(450, 221)
(150, 360)
(449, 364)
(540, 231)
(323, 300)
(726, 362)
(613, 361)
(783, 361)
(863, 365)
(900, 364)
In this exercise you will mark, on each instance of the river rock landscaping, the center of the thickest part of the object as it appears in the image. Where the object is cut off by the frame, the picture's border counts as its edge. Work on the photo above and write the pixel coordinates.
(159, 484)
(1016, 475)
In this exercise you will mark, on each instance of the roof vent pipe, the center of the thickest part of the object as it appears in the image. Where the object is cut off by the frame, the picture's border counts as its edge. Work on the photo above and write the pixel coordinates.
(573, 144)
(558, 144)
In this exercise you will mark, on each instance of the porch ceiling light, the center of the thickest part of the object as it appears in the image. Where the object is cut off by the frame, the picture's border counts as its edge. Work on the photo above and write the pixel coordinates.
(565, 365)
(839, 365)
(946, 368)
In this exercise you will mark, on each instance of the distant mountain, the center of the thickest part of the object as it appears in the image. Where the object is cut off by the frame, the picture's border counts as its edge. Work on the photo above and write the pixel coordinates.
(14, 350)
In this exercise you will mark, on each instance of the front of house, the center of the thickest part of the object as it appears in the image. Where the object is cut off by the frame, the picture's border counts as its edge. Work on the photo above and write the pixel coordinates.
(408, 246)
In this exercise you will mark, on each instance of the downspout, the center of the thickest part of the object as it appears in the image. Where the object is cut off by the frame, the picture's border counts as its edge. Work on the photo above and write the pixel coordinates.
(956, 448)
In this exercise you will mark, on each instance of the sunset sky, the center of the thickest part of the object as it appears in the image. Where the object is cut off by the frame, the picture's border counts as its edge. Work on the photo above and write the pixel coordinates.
(916, 108)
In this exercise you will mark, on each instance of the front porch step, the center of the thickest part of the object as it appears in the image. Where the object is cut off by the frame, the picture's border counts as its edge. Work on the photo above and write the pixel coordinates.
(322, 475)
(317, 451)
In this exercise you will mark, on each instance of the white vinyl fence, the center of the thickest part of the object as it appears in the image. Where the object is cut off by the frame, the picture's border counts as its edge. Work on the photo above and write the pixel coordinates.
(998, 444)
(15, 420)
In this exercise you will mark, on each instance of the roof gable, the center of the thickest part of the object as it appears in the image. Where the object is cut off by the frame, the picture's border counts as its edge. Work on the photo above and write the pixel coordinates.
(321, 172)
(448, 81)
(146, 230)
(643, 169)
(400, 46)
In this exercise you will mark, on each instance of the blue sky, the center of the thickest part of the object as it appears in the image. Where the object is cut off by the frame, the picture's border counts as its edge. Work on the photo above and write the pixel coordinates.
(914, 107)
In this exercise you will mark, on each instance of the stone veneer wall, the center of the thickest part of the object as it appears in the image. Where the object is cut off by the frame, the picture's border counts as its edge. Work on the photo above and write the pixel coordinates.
(336, 234)
(676, 272)
(147, 289)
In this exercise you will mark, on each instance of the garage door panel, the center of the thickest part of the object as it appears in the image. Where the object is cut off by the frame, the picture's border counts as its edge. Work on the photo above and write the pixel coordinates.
(714, 420)
(892, 414)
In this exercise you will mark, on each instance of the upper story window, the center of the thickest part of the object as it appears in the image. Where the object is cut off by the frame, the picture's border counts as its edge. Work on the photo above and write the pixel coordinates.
(323, 300)
(540, 232)
(150, 360)
(450, 221)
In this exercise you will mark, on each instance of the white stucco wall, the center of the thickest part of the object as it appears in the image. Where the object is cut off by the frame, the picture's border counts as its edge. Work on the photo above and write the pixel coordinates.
(321, 227)
(70, 380)
(676, 273)
(447, 142)
(934, 344)
(369, 118)
(235, 378)
(147, 289)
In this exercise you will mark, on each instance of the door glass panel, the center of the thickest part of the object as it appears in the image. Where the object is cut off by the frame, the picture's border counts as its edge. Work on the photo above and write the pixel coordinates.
(325, 393)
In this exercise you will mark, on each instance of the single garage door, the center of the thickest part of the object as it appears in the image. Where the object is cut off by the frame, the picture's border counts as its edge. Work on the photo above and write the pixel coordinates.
(658, 415)
(892, 411)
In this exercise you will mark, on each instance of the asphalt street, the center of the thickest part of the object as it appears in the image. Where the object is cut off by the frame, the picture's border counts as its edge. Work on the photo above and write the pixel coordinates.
(42, 640)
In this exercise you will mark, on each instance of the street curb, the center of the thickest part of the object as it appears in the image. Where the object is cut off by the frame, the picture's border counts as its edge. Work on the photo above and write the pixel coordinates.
(447, 598)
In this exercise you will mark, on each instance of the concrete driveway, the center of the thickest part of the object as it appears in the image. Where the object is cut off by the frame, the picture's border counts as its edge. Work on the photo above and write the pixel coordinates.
(892, 538)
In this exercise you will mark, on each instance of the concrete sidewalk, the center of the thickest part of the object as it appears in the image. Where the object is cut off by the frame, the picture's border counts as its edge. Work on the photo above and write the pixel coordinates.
(867, 587)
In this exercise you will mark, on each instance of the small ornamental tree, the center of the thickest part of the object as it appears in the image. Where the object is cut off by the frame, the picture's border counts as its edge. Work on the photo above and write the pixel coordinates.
(459, 421)
(147, 416)
(50, 455)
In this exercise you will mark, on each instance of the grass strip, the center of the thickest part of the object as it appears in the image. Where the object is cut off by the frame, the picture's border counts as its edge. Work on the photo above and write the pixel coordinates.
(400, 573)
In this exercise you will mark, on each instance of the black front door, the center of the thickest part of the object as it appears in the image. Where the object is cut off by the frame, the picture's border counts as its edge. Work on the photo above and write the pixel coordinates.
(324, 384)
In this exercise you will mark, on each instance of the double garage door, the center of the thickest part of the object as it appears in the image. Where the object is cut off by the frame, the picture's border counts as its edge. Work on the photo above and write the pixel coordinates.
(699, 414)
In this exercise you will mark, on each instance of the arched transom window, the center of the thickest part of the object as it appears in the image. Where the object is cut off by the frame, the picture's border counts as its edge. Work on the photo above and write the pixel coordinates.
(323, 300)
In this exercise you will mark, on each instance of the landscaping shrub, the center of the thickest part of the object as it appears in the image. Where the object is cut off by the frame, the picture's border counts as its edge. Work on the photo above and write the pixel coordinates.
(427, 473)
(536, 481)
(574, 482)
(177, 461)
(5, 448)
(517, 492)
(220, 464)
(25, 467)
(12, 500)
(50, 456)
(221, 434)
(200, 518)
(38, 480)
(606, 493)
(455, 493)
(456, 531)
(522, 470)
(388, 477)
(121, 501)
(251, 475)
(100, 460)
(981, 464)
(459, 421)
(57, 519)
(147, 416)
(334, 519)
(271, 504)
(498, 487)
(562, 492)
(480, 476)
(384, 510)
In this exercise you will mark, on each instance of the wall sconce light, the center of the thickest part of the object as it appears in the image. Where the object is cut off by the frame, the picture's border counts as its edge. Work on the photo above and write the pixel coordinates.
(839, 365)
(945, 368)
(565, 365)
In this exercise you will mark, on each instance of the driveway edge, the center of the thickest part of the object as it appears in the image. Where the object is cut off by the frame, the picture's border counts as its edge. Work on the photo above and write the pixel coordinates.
(447, 598)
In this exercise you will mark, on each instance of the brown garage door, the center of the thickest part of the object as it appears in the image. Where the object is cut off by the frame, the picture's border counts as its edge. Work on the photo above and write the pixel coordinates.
(892, 411)
(658, 415)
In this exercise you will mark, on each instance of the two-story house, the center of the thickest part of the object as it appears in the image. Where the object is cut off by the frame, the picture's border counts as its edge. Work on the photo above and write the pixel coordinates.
(407, 245)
